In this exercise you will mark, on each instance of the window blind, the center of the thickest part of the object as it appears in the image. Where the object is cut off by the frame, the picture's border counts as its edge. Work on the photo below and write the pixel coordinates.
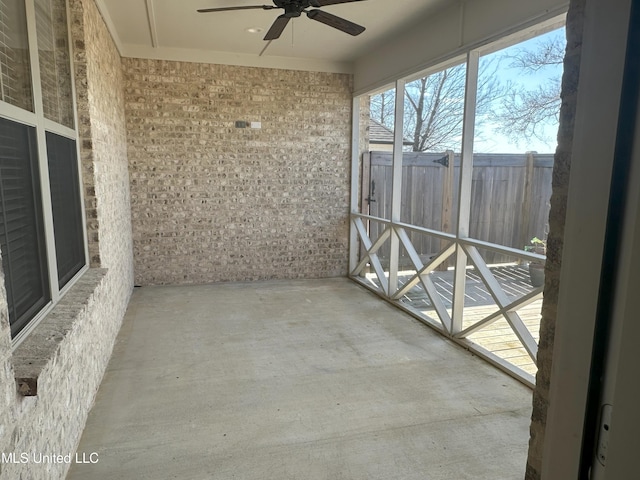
(15, 71)
(66, 206)
(21, 228)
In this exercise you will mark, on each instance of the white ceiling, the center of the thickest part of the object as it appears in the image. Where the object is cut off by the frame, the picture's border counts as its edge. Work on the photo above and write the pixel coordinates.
(173, 30)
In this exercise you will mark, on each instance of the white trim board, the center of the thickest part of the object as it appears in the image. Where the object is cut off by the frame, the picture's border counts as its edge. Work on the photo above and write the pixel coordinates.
(462, 27)
(239, 59)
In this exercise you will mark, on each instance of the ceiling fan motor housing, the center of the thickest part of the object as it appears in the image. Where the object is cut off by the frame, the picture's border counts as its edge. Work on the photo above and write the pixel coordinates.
(298, 6)
(292, 11)
(295, 8)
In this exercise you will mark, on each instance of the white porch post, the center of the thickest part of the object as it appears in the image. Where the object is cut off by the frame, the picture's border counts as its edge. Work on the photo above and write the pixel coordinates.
(355, 182)
(396, 188)
(464, 197)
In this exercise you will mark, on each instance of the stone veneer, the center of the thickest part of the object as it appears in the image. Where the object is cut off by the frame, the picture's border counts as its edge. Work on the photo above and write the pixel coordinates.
(86, 321)
(211, 202)
(557, 214)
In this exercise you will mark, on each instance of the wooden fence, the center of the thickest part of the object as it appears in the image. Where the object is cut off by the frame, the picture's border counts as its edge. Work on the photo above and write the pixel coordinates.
(509, 197)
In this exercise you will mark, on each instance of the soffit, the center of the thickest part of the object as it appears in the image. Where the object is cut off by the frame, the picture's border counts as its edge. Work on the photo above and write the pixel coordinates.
(173, 30)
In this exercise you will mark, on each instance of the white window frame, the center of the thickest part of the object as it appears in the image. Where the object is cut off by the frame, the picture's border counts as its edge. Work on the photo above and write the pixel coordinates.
(42, 125)
(465, 247)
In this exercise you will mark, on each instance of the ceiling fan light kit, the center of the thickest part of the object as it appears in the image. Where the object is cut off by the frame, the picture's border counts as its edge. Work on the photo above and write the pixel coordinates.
(295, 8)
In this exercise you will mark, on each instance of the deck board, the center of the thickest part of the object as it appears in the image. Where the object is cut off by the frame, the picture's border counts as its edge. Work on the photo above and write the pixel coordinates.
(497, 337)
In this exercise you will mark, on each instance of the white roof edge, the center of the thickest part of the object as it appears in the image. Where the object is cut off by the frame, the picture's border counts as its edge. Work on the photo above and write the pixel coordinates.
(238, 59)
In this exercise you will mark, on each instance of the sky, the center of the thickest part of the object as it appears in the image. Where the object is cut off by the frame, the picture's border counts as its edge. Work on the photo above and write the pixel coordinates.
(488, 138)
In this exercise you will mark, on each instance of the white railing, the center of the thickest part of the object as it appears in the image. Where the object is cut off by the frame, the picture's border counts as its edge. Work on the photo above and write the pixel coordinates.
(449, 319)
(462, 320)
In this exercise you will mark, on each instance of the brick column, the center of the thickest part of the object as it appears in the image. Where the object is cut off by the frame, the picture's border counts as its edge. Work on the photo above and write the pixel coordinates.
(562, 167)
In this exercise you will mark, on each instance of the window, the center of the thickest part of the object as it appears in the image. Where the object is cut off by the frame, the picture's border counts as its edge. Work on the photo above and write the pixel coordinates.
(66, 206)
(21, 229)
(15, 72)
(53, 56)
(41, 223)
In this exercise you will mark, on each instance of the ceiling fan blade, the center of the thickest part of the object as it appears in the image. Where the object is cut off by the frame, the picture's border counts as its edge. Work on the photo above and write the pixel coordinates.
(324, 3)
(277, 28)
(336, 22)
(226, 9)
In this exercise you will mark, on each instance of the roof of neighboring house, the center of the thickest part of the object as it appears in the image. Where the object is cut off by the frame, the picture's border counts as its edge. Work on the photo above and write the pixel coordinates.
(379, 134)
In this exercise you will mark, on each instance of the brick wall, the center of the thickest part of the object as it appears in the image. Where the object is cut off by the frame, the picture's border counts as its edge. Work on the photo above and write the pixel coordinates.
(104, 150)
(9, 401)
(211, 202)
(52, 422)
(562, 167)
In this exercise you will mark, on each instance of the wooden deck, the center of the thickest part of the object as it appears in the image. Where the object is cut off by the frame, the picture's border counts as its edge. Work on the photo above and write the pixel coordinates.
(498, 337)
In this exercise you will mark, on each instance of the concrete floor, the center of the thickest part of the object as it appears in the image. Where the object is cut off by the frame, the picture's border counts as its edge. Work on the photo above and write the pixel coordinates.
(297, 380)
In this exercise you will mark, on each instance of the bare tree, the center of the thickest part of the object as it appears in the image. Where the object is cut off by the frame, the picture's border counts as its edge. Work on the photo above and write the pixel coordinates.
(383, 107)
(434, 107)
(524, 112)
(433, 110)
(550, 51)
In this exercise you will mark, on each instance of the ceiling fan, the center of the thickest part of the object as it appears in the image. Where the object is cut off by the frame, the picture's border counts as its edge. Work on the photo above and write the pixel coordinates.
(295, 8)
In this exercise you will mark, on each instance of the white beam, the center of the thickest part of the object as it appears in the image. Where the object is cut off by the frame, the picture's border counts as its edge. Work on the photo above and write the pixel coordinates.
(448, 34)
(373, 258)
(371, 249)
(464, 195)
(151, 19)
(502, 300)
(512, 307)
(354, 245)
(396, 183)
(425, 270)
